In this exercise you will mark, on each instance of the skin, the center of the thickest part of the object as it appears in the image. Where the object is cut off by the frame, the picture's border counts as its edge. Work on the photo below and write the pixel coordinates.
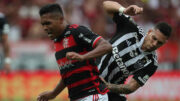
(128, 88)
(112, 7)
(54, 25)
(153, 40)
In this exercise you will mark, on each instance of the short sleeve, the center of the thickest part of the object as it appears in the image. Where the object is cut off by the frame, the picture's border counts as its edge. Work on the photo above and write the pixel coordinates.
(85, 37)
(142, 75)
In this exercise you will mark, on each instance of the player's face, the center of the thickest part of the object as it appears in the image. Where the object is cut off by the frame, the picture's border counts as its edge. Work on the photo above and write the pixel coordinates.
(154, 40)
(51, 25)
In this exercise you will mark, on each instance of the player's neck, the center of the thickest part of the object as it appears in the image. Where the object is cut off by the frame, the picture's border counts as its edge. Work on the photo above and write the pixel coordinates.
(143, 47)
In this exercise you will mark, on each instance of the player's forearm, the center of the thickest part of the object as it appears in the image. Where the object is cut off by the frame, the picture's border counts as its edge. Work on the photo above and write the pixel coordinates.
(111, 6)
(101, 48)
(120, 89)
(60, 86)
(128, 88)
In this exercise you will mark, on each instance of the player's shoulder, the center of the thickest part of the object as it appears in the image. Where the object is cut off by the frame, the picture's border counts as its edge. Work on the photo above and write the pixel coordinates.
(78, 28)
(75, 27)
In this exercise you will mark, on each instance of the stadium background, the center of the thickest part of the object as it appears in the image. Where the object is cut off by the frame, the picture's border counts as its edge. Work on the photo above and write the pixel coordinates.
(34, 69)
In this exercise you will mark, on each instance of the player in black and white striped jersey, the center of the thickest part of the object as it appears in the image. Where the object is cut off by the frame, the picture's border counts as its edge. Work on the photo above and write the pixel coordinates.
(133, 51)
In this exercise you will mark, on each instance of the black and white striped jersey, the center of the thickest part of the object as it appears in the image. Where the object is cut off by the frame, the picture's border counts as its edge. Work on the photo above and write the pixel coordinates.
(127, 58)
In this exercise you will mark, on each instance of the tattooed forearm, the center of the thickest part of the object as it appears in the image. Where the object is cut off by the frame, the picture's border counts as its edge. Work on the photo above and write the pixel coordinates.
(120, 89)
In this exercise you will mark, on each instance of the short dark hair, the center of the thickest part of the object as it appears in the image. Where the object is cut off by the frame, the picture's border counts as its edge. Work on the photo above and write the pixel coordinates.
(51, 8)
(164, 28)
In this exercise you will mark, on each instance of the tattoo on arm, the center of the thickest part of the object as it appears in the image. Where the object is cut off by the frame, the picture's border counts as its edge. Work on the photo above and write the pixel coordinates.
(121, 89)
(128, 88)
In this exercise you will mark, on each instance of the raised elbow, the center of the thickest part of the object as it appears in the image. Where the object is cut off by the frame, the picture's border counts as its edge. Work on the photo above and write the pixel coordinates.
(106, 5)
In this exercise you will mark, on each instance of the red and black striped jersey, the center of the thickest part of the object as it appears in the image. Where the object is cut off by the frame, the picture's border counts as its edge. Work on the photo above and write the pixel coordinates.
(81, 78)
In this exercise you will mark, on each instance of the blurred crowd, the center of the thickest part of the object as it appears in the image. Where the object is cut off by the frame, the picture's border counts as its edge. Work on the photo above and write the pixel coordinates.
(25, 25)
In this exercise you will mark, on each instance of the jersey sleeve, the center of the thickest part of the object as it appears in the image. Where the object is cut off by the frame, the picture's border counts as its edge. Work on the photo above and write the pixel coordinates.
(142, 75)
(85, 37)
(124, 24)
(120, 18)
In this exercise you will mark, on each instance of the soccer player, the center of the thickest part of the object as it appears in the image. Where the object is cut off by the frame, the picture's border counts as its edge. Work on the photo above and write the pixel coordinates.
(133, 51)
(4, 30)
(76, 47)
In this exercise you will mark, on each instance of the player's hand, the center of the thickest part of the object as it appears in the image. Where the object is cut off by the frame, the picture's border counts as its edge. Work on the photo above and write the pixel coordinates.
(45, 96)
(6, 68)
(74, 56)
(133, 10)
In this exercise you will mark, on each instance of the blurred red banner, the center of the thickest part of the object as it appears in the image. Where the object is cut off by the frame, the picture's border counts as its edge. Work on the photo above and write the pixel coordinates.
(25, 85)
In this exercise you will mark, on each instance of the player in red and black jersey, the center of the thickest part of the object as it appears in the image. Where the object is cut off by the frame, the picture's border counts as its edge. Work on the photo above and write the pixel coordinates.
(76, 47)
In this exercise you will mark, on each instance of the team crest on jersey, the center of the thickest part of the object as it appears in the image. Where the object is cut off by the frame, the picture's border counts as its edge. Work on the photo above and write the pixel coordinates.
(65, 43)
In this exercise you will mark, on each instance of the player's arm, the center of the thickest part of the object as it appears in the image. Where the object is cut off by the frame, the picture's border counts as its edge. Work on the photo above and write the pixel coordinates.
(101, 47)
(128, 88)
(87, 39)
(45, 96)
(112, 7)
(138, 80)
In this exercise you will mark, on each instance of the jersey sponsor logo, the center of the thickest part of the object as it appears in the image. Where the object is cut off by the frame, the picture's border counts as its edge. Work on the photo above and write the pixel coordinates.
(64, 65)
(119, 61)
(65, 43)
(144, 79)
